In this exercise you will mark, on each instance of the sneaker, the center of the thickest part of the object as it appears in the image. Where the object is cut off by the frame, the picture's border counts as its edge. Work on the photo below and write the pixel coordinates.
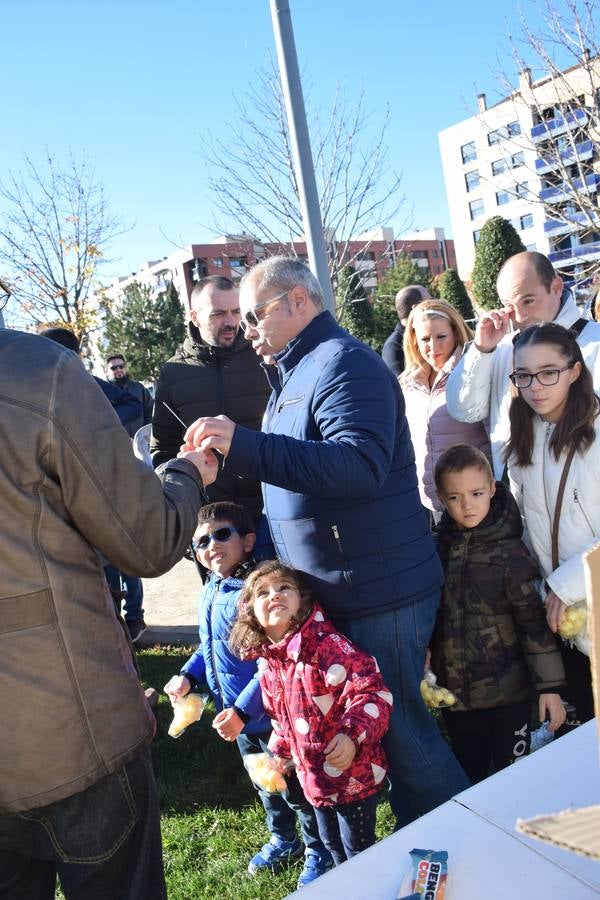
(136, 629)
(275, 854)
(315, 865)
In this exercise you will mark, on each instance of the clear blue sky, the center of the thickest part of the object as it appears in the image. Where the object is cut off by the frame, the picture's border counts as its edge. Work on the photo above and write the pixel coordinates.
(134, 85)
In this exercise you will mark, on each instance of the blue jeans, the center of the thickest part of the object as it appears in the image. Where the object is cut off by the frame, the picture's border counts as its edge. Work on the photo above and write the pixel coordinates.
(281, 809)
(349, 828)
(103, 843)
(423, 771)
(120, 583)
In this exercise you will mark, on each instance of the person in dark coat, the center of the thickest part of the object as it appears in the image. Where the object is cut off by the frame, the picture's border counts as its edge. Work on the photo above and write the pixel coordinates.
(392, 351)
(116, 372)
(343, 506)
(214, 372)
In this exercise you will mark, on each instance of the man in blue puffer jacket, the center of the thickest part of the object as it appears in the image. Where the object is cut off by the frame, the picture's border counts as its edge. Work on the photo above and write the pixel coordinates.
(341, 497)
(223, 543)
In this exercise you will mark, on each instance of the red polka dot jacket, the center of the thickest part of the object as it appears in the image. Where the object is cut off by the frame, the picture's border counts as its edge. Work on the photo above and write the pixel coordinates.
(317, 684)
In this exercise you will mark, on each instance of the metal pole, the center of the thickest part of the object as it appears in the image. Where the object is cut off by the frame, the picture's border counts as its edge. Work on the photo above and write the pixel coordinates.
(303, 163)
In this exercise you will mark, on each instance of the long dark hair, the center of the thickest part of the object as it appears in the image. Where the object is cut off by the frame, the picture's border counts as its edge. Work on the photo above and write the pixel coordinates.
(576, 426)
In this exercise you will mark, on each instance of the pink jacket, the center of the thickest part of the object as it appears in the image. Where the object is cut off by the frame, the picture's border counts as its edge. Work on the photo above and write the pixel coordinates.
(316, 684)
(432, 428)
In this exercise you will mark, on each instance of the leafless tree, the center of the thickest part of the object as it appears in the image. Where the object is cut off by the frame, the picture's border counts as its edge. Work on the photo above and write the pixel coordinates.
(558, 59)
(53, 236)
(253, 184)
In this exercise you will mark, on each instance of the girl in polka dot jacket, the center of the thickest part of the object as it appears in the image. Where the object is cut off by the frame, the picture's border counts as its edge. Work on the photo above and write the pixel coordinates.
(329, 705)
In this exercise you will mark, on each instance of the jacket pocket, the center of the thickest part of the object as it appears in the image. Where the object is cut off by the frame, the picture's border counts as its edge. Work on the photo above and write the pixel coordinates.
(315, 546)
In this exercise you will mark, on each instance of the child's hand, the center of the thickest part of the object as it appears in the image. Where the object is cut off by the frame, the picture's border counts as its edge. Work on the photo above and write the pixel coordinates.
(228, 724)
(427, 660)
(282, 765)
(555, 610)
(176, 688)
(551, 707)
(340, 751)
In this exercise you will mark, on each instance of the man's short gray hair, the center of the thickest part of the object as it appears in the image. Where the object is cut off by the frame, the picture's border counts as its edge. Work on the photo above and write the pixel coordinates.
(282, 273)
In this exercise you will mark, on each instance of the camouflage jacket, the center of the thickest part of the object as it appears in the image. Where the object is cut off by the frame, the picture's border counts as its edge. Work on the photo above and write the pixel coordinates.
(491, 645)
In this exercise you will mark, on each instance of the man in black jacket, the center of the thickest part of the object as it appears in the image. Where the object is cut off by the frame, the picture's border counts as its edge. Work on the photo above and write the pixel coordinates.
(214, 372)
(393, 351)
(116, 372)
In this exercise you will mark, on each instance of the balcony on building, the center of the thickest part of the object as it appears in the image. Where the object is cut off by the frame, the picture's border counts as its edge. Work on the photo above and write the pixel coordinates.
(579, 253)
(551, 128)
(569, 223)
(587, 185)
(580, 151)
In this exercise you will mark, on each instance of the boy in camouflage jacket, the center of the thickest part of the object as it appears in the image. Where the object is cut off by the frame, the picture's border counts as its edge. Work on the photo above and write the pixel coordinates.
(491, 646)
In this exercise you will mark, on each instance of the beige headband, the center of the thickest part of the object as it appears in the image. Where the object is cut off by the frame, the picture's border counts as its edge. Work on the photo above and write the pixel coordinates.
(432, 314)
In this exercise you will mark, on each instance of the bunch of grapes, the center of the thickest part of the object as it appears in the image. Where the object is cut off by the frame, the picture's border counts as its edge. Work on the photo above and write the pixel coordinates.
(573, 621)
(435, 697)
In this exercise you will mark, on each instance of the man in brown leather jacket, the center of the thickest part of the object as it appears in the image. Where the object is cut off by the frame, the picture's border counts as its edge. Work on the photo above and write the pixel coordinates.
(77, 792)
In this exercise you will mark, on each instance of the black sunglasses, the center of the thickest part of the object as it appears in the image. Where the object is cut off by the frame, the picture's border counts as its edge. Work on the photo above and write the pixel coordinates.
(112, 368)
(221, 535)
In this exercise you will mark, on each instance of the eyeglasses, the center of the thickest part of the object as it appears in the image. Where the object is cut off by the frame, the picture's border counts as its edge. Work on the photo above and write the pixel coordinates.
(251, 320)
(114, 368)
(547, 377)
(221, 535)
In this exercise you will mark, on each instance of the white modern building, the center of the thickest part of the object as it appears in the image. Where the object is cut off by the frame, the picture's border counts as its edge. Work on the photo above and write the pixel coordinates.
(523, 158)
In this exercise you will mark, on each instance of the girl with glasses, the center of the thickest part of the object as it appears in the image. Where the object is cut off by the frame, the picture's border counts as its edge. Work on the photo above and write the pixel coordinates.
(553, 463)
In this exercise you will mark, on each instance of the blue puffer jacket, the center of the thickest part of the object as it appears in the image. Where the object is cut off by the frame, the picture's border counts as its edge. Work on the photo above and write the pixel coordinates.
(338, 472)
(230, 680)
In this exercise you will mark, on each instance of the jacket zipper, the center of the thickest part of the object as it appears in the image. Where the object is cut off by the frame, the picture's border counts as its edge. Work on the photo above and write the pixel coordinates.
(338, 542)
(585, 516)
(212, 648)
(289, 402)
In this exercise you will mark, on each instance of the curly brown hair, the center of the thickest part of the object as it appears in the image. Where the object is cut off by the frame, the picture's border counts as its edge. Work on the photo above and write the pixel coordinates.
(247, 635)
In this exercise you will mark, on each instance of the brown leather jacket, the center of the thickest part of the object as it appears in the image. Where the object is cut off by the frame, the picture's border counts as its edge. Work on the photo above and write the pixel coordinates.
(71, 706)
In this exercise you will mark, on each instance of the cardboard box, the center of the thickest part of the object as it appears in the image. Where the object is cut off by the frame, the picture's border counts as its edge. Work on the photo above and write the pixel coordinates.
(578, 829)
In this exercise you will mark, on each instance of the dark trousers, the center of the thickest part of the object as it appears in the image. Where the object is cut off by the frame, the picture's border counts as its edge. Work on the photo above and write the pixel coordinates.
(127, 588)
(486, 740)
(349, 828)
(281, 809)
(103, 843)
(578, 672)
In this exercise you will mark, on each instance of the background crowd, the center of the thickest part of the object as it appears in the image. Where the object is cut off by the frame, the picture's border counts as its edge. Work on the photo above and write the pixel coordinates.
(430, 508)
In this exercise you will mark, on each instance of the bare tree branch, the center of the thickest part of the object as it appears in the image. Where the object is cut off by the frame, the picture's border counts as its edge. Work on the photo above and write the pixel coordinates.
(53, 236)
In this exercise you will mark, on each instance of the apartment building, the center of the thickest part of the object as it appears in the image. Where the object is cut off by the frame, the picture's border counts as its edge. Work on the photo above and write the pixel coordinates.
(525, 158)
(371, 253)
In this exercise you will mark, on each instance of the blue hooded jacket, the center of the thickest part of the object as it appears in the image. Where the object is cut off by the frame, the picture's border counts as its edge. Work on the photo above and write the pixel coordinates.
(338, 472)
(230, 680)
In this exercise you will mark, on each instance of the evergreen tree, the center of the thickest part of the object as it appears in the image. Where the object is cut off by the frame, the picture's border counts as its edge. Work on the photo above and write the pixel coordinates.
(453, 291)
(498, 240)
(385, 319)
(353, 306)
(147, 330)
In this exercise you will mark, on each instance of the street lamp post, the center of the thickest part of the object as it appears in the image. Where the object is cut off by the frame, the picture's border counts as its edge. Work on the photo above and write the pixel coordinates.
(303, 163)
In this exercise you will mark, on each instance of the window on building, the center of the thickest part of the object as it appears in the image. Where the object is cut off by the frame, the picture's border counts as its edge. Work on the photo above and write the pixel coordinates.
(494, 137)
(476, 208)
(498, 166)
(472, 180)
(522, 190)
(476, 235)
(513, 129)
(468, 152)
(502, 197)
(518, 159)
(526, 221)
(434, 253)
(217, 261)
(419, 254)
(237, 262)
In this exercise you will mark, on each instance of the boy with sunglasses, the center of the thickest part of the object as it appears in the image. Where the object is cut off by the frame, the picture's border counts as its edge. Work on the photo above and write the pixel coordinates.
(223, 543)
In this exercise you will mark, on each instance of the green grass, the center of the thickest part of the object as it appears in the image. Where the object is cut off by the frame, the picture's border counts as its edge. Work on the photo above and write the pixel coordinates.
(212, 821)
